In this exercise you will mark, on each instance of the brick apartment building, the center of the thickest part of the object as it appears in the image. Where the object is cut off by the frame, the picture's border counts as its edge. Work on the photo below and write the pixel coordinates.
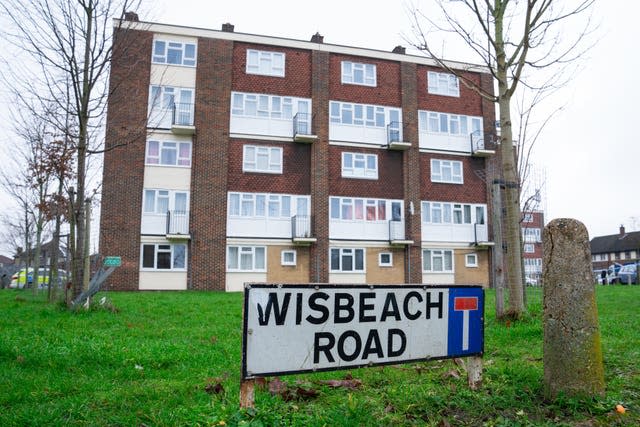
(532, 226)
(234, 157)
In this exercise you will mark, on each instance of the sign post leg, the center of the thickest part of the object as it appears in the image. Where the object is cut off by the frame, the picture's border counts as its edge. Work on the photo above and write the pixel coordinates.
(247, 393)
(474, 372)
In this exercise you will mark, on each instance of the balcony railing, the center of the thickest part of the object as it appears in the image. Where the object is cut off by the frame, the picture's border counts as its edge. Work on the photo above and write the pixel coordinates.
(478, 146)
(481, 235)
(178, 223)
(301, 228)
(302, 131)
(395, 137)
(182, 114)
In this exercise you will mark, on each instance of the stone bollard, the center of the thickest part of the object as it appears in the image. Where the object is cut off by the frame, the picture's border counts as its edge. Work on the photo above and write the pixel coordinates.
(572, 355)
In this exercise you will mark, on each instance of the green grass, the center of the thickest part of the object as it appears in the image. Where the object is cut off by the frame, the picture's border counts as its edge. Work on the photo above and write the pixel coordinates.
(158, 359)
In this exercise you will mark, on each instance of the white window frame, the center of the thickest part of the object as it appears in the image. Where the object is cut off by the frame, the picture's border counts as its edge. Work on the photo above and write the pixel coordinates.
(447, 171)
(527, 217)
(471, 260)
(247, 251)
(355, 209)
(165, 248)
(357, 73)
(284, 253)
(446, 84)
(381, 263)
(160, 54)
(163, 148)
(265, 63)
(457, 125)
(273, 159)
(529, 248)
(366, 115)
(151, 201)
(266, 106)
(437, 254)
(451, 213)
(359, 165)
(530, 234)
(343, 254)
(265, 205)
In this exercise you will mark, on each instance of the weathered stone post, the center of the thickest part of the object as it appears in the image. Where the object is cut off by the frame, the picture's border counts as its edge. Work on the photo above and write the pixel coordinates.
(572, 355)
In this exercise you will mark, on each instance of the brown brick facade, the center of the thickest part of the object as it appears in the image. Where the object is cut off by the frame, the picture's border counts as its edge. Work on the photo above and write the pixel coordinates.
(315, 168)
(123, 171)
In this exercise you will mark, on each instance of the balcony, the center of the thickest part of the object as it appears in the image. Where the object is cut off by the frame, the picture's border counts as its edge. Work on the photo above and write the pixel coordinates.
(397, 233)
(182, 122)
(481, 235)
(478, 148)
(301, 230)
(394, 137)
(178, 225)
(302, 131)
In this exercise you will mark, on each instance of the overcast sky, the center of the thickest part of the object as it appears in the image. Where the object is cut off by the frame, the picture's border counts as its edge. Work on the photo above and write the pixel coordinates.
(589, 154)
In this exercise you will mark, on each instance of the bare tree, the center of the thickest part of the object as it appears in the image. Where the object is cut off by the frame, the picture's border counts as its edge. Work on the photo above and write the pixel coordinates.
(517, 41)
(68, 51)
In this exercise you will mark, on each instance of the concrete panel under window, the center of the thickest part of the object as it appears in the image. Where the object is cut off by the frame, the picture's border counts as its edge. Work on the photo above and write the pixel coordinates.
(163, 280)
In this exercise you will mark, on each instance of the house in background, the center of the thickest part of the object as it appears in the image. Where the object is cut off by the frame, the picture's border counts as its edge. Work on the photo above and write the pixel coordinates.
(236, 158)
(532, 225)
(621, 248)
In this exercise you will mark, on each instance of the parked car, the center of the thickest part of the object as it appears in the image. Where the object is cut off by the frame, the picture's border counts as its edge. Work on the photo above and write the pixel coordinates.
(25, 277)
(628, 274)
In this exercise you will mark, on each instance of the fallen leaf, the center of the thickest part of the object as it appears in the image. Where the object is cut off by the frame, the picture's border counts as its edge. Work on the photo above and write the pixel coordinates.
(214, 388)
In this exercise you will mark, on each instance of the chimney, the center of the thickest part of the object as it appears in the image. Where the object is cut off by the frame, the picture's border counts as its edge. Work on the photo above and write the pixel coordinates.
(317, 38)
(131, 16)
(622, 232)
(399, 49)
(227, 27)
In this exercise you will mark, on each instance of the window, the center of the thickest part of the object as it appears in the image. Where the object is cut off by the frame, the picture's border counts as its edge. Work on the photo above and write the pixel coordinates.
(174, 53)
(265, 63)
(531, 234)
(533, 264)
(448, 171)
(385, 259)
(358, 74)
(442, 84)
(246, 258)
(452, 213)
(354, 209)
(347, 260)
(170, 105)
(161, 201)
(164, 256)
(288, 257)
(267, 106)
(471, 260)
(529, 248)
(528, 217)
(260, 205)
(262, 159)
(449, 124)
(362, 115)
(437, 261)
(359, 165)
(168, 153)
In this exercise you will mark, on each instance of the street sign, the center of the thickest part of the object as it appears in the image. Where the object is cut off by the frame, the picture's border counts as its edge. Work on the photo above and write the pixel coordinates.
(303, 328)
(112, 261)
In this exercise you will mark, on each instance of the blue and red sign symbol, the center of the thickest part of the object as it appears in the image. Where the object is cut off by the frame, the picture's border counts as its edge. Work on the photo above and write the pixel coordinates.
(466, 326)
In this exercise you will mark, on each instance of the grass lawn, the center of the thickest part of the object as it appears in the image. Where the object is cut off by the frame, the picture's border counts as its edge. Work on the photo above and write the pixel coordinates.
(173, 358)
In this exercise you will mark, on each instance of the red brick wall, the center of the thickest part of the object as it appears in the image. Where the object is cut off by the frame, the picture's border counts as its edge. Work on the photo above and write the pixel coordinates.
(387, 91)
(209, 166)
(387, 186)
(294, 179)
(297, 73)
(468, 103)
(474, 189)
(124, 159)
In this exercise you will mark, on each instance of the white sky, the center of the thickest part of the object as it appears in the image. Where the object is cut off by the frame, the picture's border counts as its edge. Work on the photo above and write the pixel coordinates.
(589, 152)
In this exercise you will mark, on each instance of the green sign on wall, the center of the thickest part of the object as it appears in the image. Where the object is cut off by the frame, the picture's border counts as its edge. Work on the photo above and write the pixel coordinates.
(112, 261)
